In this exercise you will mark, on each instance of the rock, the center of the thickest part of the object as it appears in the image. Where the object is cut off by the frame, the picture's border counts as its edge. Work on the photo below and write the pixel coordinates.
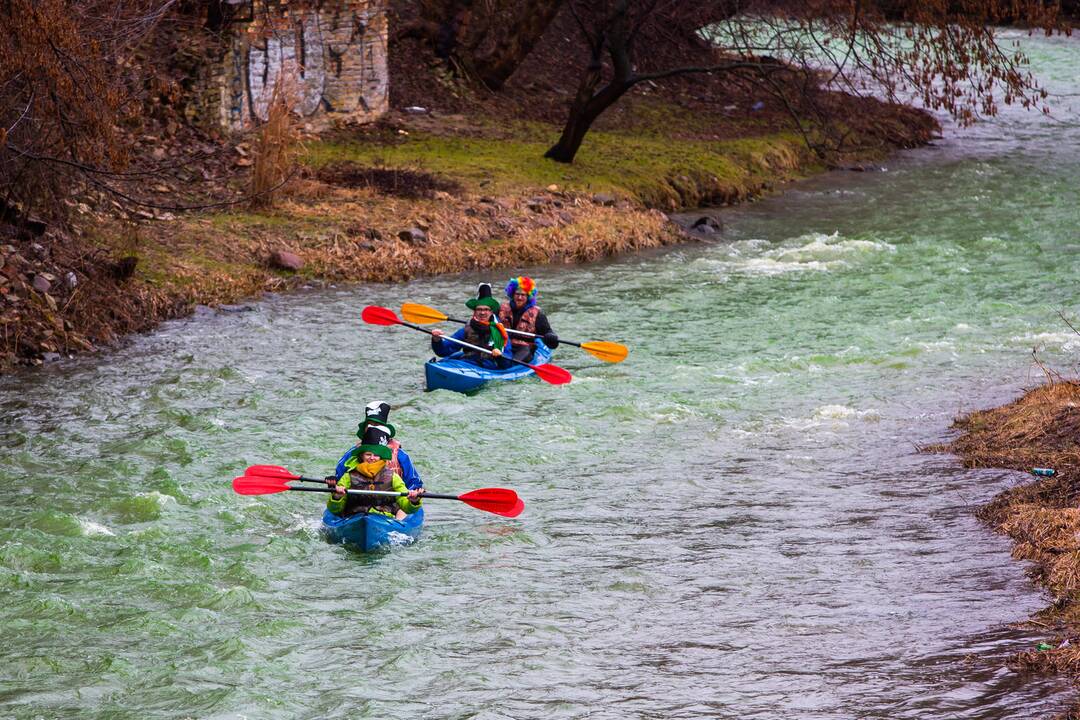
(566, 217)
(38, 249)
(416, 110)
(158, 153)
(604, 199)
(546, 222)
(71, 279)
(373, 234)
(366, 245)
(707, 224)
(413, 236)
(124, 268)
(537, 204)
(50, 357)
(236, 308)
(162, 188)
(285, 260)
(553, 188)
(41, 284)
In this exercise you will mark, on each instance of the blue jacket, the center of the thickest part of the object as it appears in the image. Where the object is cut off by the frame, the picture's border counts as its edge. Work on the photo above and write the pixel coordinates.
(408, 472)
(445, 348)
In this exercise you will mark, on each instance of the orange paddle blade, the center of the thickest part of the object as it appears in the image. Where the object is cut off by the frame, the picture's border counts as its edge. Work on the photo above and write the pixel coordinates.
(606, 351)
(421, 314)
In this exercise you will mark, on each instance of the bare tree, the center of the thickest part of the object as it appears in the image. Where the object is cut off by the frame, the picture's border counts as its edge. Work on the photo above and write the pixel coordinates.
(944, 51)
(485, 41)
(66, 84)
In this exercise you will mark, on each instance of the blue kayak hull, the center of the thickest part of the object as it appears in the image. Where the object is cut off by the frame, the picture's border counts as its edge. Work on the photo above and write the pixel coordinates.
(462, 376)
(368, 532)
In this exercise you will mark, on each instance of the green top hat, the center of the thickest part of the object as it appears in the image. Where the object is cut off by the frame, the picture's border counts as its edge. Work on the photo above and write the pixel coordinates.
(483, 297)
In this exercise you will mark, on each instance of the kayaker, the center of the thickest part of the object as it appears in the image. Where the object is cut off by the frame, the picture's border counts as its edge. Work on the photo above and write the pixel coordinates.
(483, 329)
(377, 412)
(368, 469)
(522, 313)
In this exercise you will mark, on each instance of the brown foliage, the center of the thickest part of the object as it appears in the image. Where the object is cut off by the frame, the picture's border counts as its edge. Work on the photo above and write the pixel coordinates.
(276, 148)
(65, 84)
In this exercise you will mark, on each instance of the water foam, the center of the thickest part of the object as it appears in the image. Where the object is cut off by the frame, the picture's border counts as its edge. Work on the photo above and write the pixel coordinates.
(811, 252)
(90, 528)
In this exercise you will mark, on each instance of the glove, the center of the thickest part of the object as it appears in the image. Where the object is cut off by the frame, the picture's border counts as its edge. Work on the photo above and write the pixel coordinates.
(551, 340)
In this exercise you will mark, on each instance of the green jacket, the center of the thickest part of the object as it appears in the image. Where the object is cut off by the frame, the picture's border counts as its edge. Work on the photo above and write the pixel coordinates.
(338, 506)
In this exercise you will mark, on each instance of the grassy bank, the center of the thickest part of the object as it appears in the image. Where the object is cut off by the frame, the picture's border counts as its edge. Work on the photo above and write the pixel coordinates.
(413, 195)
(1040, 429)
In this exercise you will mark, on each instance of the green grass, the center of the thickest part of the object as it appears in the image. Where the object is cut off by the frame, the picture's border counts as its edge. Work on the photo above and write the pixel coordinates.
(655, 170)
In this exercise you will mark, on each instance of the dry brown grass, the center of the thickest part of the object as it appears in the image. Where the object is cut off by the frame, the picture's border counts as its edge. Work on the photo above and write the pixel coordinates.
(276, 148)
(1040, 429)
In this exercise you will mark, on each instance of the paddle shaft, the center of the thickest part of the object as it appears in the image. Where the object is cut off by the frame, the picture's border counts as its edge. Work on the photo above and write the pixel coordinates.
(384, 493)
(522, 333)
(464, 344)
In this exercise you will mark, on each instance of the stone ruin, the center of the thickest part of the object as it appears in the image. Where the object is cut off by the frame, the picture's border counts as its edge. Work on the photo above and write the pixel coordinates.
(328, 56)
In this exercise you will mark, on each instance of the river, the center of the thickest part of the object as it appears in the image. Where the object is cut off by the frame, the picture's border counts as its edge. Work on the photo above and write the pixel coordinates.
(733, 523)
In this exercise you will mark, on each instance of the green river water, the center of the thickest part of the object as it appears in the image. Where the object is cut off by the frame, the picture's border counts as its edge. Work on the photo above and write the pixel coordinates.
(733, 523)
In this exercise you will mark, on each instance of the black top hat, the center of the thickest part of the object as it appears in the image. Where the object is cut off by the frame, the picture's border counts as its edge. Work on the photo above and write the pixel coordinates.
(377, 412)
(483, 297)
(376, 440)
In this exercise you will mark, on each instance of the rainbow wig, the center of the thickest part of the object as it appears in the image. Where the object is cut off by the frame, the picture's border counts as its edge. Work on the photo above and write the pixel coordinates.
(526, 284)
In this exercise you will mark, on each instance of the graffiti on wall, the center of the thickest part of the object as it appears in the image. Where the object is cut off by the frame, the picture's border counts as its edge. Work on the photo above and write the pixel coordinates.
(328, 58)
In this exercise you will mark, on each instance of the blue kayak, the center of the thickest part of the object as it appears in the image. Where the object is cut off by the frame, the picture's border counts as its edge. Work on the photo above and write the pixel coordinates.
(453, 373)
(368, 532)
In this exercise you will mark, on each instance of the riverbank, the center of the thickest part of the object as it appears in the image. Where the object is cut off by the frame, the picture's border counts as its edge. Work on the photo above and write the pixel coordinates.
(1039, 429)
(417, 194)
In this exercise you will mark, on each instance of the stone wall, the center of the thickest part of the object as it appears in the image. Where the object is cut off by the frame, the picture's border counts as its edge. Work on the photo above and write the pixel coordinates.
(328, 56)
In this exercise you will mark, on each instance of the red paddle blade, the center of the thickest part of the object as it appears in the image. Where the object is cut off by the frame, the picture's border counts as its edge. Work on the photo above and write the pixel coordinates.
(379, 315)
(248, 485)
(516, 510)
(552, 374)
(270, 471)
(492, 500)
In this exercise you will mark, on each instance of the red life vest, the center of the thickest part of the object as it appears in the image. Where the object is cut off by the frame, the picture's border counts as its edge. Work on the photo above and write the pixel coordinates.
(526, 323)
(393, 463)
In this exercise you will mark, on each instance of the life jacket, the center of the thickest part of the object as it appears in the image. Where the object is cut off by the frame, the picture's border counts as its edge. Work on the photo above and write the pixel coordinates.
(393, 463)
(526, 323)
(474, 338)
(384, 481)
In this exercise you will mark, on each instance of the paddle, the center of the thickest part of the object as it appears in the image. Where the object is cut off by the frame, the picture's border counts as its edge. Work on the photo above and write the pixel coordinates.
(384, 316)
(498, 501)
(606, 351)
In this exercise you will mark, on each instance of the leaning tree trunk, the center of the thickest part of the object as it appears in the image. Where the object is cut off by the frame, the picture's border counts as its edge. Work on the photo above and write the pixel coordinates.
(589, 103)
(495, 67)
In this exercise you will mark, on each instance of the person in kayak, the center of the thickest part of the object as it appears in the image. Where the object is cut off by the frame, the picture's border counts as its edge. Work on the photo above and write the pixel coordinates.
(377, 412)
(522, 313)
(368, 469)
(483, 329)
